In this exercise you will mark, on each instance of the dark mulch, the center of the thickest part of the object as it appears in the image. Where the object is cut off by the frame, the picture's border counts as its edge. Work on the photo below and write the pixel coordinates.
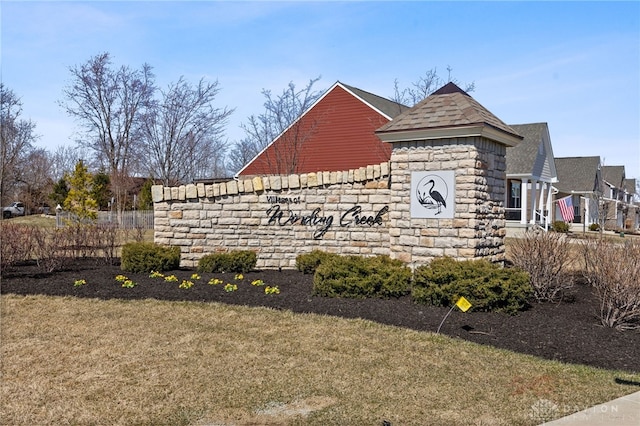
(569, 331)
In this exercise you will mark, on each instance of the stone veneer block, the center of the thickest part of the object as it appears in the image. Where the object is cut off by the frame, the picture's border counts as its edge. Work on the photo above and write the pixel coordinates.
(240, 183)
(257, 184)
(376, 171)
(157, 193)
(275, 183)
(216, 189)
(312, 180)
(266, 184)
(208, 191)
(248, 185)
(174, 193)
(232, 187)
(285, 182)
(201, 191)
(326, 178)
(294, 181)
(167, 193)
(369, 172)
(319, 178)
(384, 169)
(191, 192)
(304, 180)
(182, 193)
(333, 178)
(223, 189)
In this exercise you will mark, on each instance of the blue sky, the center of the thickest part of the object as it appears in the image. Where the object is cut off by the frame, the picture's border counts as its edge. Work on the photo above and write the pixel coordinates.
(574, 65)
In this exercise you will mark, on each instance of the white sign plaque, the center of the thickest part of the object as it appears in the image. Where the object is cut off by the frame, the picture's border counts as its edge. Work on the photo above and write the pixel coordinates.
(433, 194)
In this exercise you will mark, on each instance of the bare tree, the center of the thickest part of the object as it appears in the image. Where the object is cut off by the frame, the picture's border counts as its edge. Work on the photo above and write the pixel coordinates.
(423, 87)
(109, 103)
(36, 180)
(64, 158)
(184, 133)
(281, 113)
(16, 142)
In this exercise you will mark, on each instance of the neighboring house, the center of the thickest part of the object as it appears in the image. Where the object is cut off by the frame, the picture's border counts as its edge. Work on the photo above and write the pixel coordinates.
(334, 134)
(613, 197)
(531, 174)
(632, 207)
(581, 179)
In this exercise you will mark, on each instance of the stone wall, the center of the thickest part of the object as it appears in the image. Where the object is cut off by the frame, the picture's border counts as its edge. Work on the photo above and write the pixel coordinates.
(278, 216)
(362, 212)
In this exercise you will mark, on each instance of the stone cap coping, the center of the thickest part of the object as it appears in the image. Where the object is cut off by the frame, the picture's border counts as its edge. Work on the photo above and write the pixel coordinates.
(259, 184)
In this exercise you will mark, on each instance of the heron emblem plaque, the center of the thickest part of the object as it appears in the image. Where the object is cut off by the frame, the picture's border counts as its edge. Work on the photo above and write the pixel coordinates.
(433, 194)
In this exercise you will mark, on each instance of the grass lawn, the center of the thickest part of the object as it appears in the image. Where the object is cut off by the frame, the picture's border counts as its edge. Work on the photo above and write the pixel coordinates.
(87, 361)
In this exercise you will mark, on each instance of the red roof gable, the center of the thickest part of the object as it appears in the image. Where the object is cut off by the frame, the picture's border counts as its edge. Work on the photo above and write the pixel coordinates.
(335, 134)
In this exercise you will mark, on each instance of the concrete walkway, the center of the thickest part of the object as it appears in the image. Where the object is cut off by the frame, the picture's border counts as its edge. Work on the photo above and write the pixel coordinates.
(624, 411)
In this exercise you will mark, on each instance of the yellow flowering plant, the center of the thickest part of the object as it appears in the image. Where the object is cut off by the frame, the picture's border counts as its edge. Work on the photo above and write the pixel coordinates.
(128, 284)
(271, 290)
(230, 287)
(78, 283)
(257, 283)
(239, 277)
(171, 278)
(195, 277)
(215, 281)
(156, 274)
(186, 284)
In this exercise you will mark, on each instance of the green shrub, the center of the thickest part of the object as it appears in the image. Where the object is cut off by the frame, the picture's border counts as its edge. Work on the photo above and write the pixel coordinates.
(240, 261)
(560, 226)
(147, 257)
(307, 263)
(594, 227)
(487, 286)
(357, 277)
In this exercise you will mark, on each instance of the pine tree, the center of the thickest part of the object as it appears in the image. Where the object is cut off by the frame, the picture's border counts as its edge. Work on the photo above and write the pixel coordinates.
(79, 202)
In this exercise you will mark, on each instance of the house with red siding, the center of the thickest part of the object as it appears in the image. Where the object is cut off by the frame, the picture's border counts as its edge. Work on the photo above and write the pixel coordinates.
(336, 133)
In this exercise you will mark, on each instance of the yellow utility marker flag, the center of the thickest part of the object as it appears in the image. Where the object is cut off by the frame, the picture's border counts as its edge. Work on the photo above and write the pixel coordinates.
(463, 304)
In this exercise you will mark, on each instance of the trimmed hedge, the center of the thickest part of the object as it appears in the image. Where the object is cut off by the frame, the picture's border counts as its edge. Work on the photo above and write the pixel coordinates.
(359, 277)
(487, 286)
(147, 257)
(307, 263)
(239, 261)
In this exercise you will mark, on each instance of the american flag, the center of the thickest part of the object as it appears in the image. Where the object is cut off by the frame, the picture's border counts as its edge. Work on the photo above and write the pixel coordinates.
(566, 208)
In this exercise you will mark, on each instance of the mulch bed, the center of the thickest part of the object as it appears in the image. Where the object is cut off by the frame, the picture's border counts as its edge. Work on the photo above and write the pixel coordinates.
(568, 331)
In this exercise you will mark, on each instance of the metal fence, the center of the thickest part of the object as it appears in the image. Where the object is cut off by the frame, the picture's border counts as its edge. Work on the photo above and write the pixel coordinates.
(137, 219)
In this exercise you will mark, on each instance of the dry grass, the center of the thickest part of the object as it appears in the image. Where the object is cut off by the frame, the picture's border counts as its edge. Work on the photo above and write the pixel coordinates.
(78, 361)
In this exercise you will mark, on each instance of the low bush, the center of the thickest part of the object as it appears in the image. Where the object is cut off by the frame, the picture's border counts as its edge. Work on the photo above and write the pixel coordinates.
(147, 257)
(307, 263)
(594, 227)
(358, 277)
(613, 269)
(560, 226)
(239, 261)
(16, 242)
(546, 256)
(487, 286)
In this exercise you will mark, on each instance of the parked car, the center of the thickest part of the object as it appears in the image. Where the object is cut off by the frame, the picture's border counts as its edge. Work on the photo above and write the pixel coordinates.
(15, 209)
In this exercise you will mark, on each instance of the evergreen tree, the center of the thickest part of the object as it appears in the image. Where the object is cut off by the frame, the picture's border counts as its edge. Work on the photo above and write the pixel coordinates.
(79, 202)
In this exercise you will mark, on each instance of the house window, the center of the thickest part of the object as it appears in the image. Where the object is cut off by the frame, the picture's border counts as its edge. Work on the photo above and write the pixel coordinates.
(514, 194)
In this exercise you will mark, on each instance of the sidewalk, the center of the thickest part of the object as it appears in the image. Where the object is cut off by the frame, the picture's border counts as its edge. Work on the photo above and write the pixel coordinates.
(624, 411)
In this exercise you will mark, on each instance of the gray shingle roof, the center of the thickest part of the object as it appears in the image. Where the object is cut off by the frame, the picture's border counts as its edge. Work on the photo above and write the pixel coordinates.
(387, 106)
(521, 158)
(577, 174)
(630, 186)
(613, 175)
(447, 107)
